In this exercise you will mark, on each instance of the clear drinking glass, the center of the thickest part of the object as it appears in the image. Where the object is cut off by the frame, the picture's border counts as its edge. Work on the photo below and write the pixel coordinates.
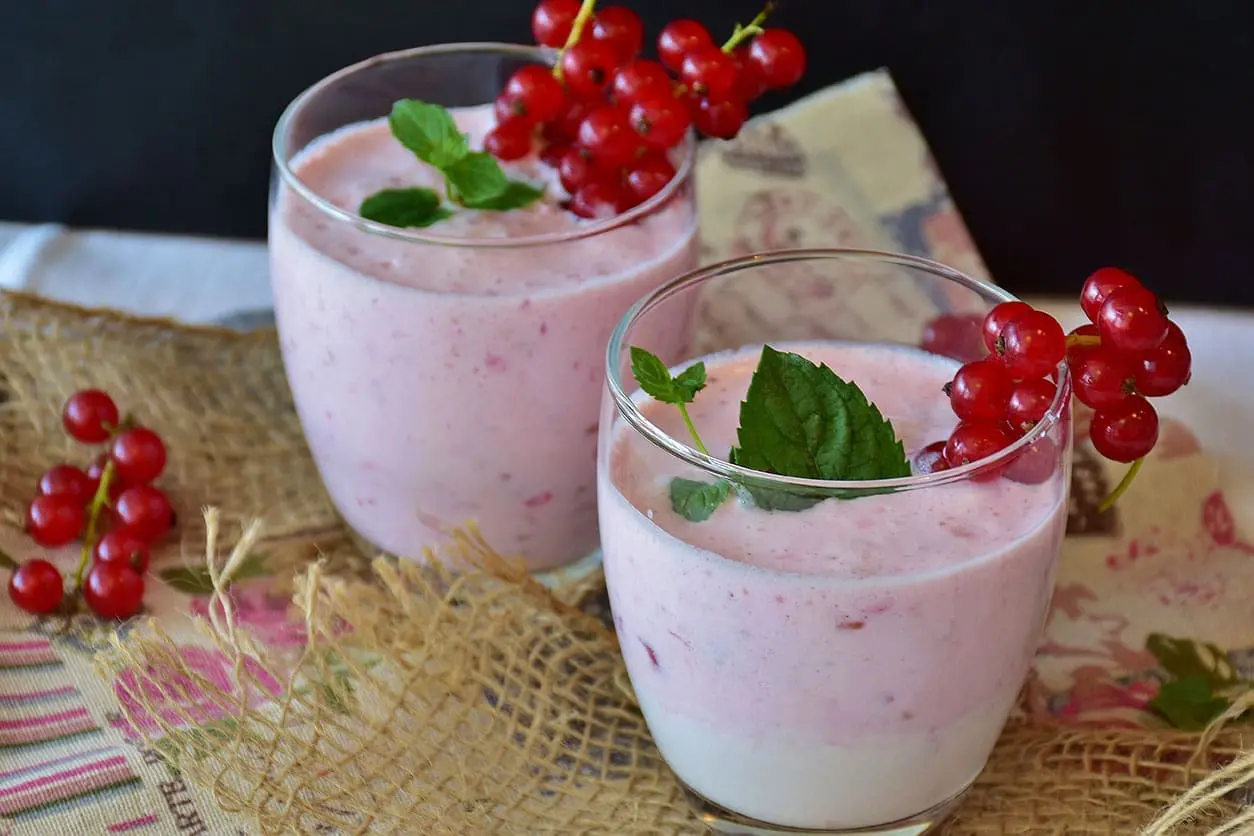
(451, 374)
(846, 668)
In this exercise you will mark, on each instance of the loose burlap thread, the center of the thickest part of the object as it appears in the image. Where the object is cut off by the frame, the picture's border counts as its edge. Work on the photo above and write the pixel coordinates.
(431, 702)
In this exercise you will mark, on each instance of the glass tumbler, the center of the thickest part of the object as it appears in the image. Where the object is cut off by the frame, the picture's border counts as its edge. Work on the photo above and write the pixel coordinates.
(451, 374)
(844, 663)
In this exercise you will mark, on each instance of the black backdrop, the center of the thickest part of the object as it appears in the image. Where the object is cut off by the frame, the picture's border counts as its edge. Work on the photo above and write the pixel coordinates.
(1073, 134)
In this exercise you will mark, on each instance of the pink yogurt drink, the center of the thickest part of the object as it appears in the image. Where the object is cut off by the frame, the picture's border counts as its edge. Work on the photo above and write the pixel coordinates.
(845, 668)
(452, 374)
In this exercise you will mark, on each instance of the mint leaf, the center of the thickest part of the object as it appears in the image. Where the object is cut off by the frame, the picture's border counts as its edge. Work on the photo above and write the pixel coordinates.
(690, 381)
(1189, 704)
(800, 419)
(656, 381)
(1188, 659)
(429, 131)
(696, 501)
(775, 499)
(404, 207)
(515, 196)
(475, 178)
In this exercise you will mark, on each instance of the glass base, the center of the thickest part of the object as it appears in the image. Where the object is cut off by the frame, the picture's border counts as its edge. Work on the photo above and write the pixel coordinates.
(552, 577)
(718, 819)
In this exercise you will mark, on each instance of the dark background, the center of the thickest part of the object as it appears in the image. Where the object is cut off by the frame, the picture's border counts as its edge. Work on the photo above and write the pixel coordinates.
(1072, 134)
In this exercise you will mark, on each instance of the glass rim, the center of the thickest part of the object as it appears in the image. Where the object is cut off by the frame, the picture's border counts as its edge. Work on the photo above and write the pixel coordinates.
(543, 55)
(630, 412)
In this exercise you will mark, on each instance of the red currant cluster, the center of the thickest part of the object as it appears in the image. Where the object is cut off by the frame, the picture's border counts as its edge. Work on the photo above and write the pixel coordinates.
(606, 118)
(112, 507)
(1128, 353)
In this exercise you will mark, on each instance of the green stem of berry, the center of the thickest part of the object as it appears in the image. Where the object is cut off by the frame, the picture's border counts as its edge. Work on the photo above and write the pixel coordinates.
(6, 561)
(1122, 487)
(98, 502)
(586, 10)
(692, 429)
(742, 33)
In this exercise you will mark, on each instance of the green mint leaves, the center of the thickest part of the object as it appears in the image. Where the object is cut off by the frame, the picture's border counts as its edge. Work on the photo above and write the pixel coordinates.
(798, 419)
(416, 207)
(1203, 685)
(472, 179)
(429, 131)
(656, 381)
(695, 501)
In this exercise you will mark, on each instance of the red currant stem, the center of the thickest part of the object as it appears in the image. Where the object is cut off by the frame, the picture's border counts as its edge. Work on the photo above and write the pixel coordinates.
(1082, 339)
(692, 428)
(586, 8)
(1121, 487)
(6, 561)
(100, 500)
(742, 33)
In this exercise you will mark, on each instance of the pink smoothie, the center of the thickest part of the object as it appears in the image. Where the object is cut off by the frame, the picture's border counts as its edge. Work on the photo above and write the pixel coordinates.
(444, 384)
(843, 666)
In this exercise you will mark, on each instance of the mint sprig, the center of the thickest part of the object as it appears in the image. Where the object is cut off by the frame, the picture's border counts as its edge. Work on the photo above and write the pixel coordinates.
(798, 419)
(696, 501)
(472, 179)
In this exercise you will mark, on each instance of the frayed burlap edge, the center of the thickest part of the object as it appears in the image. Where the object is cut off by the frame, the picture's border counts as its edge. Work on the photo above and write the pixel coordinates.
(428, 701)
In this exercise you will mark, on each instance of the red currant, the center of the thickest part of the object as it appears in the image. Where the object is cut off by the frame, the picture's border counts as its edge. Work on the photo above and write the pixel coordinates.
(640, 79)
(779, 57)
(67, 480)
(54, 521)
(122, 546)
(138, 456)
(113, 590)
(1029, 402)
(1100, 285)
(587, 67)
(598, 199)
(534, 94)
(1165, 369)
(974, 440)
(1037, 462)
(647, 176)
(1034, 345)
(145, 512)
(551, 154)
(509, 140)
(552, 21)
(749, 82)
(1131, 319)
(661, 121)
(1102, 377)
(621, 28)
(607, 135)
(680, 37)
(577, 169)
(981, 390)
(954, 335)
(1126, 431)
(565, 128)
(89, 416)
(721, 119)
(931, 459)
(996, 320)
(37, 587)
(708, 71)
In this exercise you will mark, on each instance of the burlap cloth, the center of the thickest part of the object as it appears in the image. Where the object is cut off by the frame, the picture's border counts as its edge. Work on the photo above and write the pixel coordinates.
(286, 684)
